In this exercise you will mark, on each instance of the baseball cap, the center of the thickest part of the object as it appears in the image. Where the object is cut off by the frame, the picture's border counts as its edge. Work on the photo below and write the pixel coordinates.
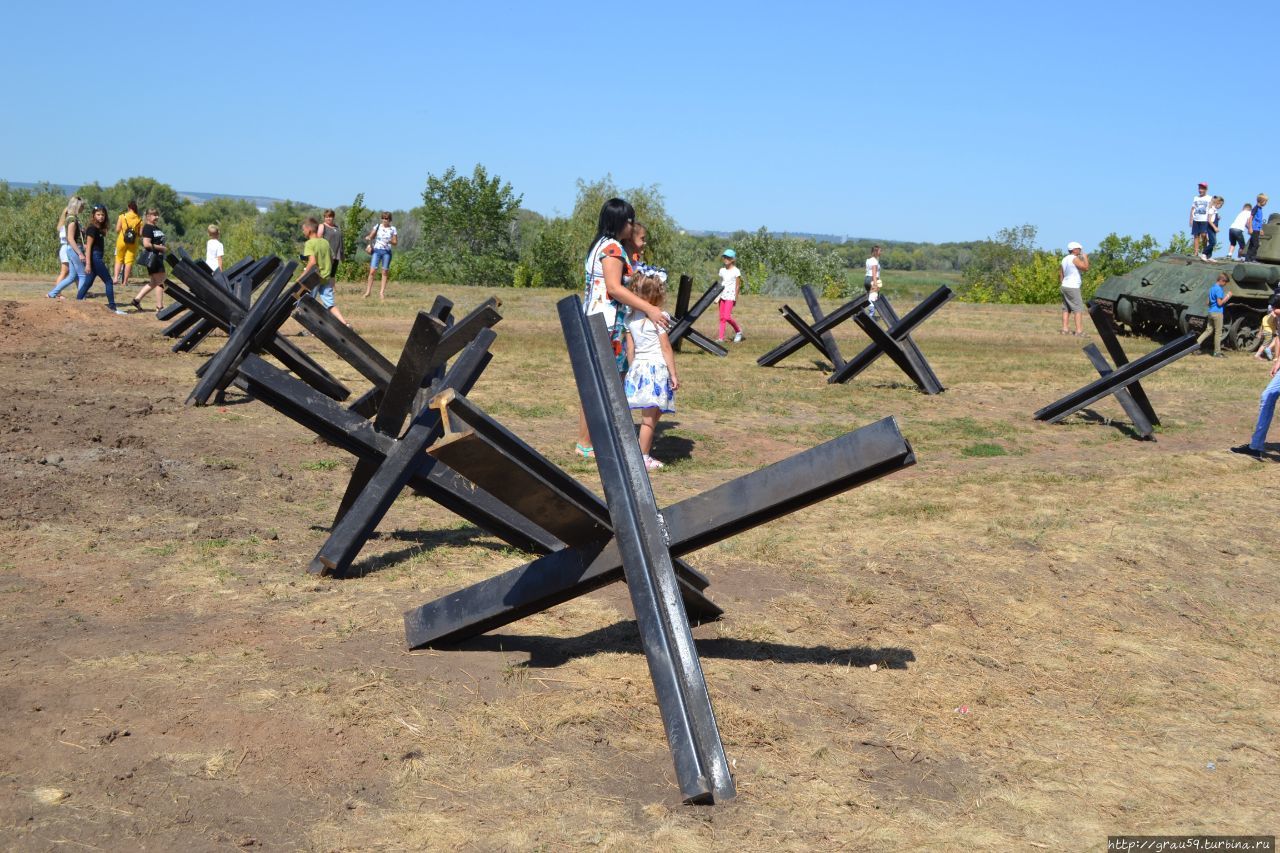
(1074, 245)
(728, 253)
(1203, 184)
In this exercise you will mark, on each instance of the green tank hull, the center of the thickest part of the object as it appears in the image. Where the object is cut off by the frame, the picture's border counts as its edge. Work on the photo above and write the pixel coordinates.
(1169, 296)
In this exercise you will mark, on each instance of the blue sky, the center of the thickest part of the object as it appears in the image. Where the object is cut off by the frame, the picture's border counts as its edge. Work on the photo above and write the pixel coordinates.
(927, 121)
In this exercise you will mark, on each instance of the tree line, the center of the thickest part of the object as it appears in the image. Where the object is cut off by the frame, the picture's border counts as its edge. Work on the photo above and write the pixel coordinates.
(473, 229)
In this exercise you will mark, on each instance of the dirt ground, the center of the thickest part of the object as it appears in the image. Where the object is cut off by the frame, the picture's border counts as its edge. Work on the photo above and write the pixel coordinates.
(1036, 637)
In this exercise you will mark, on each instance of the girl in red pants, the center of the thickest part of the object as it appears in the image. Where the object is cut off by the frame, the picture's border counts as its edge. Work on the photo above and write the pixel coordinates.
(730, 277)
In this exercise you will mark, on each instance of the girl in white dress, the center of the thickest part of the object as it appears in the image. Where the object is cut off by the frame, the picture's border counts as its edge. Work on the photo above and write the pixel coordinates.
(651, 380)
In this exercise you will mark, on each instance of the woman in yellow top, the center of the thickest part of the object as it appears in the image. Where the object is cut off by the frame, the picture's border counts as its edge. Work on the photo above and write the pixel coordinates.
(128, 224)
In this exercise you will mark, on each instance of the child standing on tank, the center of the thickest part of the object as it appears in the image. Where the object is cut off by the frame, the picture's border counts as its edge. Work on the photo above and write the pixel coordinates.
(730, 279)
(1198, 219)
(651, 378)
(1238, 233)
(1211, 236)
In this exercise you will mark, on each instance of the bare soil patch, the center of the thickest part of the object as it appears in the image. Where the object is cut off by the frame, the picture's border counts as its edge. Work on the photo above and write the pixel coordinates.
(1073, 633)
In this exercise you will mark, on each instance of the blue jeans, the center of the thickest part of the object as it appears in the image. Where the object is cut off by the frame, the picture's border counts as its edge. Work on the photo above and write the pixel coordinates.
(323, 293)
(1266, 409)
(380, 257)
(75, 272)
(98, 269)
(1212, 242)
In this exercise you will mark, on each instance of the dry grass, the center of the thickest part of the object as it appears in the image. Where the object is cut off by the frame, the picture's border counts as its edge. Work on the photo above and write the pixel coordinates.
(1074, 633)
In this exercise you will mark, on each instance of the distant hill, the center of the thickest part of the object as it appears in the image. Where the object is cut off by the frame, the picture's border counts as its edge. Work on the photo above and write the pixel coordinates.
(262, 202)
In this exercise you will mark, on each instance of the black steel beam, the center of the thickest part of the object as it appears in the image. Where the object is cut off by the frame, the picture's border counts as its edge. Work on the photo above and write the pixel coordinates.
(416, 363)
(685, 322)
(221, 368)
(772, 492)
(192, 336)
(826, 324)
(344, 429)
(683, 293)
(491, 456)
(704, 343)
(882, 343)
(1107, 332)
(344, 342)
(806, 331)
(829, 345)
(1123, 396)
(397, 469)
(903, 351)
(1122, 377)
(700, 763)
(222, 309)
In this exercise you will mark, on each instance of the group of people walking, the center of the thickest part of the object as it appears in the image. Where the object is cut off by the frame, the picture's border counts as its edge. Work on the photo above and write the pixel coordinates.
(139, 239)
(82, 251)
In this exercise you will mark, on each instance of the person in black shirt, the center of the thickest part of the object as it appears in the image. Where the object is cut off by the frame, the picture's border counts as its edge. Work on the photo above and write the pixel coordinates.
(153, 249)
(95, 241)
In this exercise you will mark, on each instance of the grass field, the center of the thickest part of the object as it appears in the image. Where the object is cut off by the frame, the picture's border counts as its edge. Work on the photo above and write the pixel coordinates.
(1036, 637)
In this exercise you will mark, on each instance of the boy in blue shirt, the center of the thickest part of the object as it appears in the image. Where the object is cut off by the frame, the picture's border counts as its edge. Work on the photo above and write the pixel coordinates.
(1218, 296)
(1258, 221)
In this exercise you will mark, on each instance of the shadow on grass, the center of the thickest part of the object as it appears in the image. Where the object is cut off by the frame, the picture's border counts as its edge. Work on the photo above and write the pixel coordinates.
(550, 652)
(668, 448)
(1126, 429)
(422, 540)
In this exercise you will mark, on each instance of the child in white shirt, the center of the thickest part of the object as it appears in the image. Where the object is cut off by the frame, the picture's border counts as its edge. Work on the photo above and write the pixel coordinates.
(730, 278)
(213, 249)
(651, 379)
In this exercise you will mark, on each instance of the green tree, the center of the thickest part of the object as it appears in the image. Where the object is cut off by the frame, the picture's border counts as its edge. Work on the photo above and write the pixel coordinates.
(355, 224)
(282, 224)
(468, 227)
(147, 192)
(29, 227)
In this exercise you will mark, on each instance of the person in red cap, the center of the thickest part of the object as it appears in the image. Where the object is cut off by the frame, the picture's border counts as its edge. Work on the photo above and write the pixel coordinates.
(1200, 218)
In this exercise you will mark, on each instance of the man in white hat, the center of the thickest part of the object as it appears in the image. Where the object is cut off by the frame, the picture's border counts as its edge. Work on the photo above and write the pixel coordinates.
(1075, 262)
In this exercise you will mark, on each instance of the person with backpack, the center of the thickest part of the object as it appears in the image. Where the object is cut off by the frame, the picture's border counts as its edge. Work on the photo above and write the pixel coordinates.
(128, 238)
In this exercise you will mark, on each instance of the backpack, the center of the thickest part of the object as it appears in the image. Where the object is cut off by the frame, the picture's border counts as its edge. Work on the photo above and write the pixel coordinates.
(130, 236)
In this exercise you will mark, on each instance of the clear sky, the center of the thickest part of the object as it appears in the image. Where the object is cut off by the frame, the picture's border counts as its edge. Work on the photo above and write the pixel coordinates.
(926, 121)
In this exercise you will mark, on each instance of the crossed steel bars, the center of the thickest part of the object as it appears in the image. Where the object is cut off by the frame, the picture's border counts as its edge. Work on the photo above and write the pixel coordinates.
(210, 301)
(685, 317)
(240, 280)
(1123, 381)
(814, 334)
(260, 324)
(643, 541)
(896, 342)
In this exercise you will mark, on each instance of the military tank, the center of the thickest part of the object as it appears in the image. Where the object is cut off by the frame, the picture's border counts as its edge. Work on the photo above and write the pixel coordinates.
(1169, 296)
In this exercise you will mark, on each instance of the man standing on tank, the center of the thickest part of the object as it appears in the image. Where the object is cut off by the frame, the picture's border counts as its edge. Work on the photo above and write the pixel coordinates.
(1069, 281)
(1259, 219)
(1199, 218)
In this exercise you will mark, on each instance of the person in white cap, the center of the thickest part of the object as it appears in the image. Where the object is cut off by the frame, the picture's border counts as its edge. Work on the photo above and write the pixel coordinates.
(1075, 262)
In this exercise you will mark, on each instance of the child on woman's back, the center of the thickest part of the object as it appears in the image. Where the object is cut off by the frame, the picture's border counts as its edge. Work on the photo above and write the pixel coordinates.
(651, 380)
